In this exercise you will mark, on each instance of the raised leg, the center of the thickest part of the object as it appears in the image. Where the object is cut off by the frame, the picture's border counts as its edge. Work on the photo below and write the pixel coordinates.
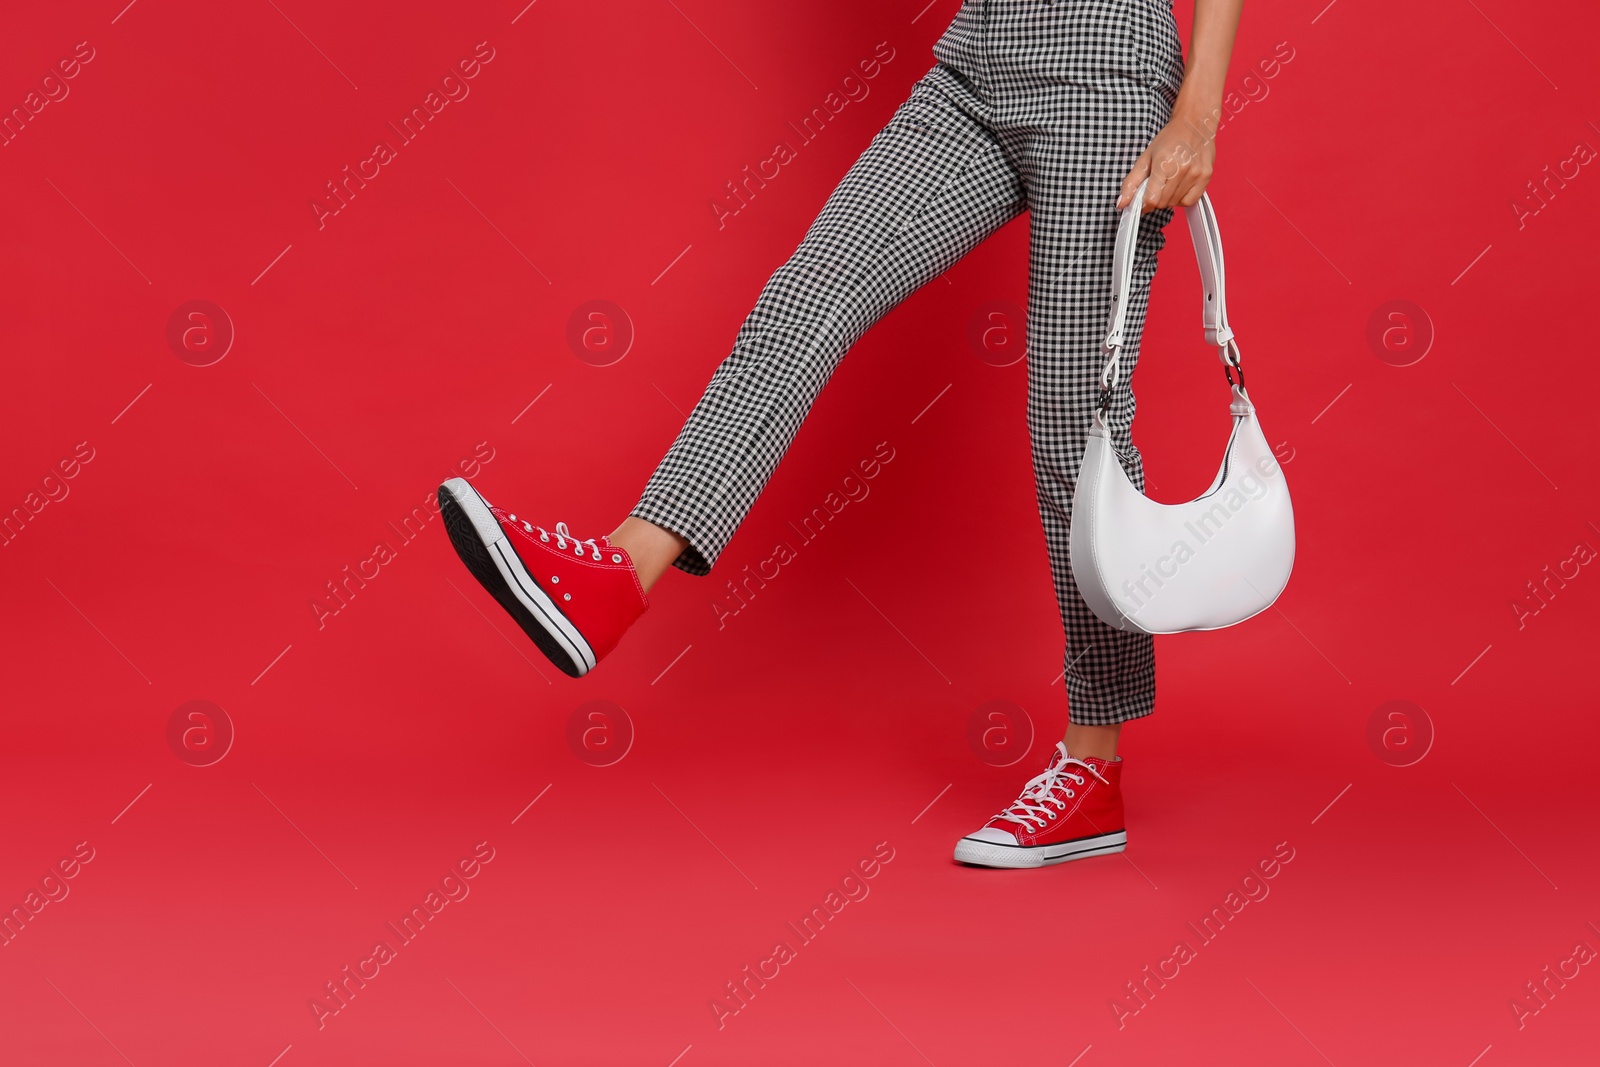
(930, 187)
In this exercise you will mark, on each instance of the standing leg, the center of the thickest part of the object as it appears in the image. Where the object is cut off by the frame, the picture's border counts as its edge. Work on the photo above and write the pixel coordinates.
(1088, 84)
(1109, 673)
(1073, 165)
(931, 186)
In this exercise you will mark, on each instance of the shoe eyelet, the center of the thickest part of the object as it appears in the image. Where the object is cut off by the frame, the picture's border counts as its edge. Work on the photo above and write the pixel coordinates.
(1069, 793)
(554, 578)
(544, 537)
(566, 596)
(615, 558)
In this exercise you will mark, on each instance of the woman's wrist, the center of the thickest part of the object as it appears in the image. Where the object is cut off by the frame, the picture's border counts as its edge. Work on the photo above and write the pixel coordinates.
(1199, 102)
(1198, 111)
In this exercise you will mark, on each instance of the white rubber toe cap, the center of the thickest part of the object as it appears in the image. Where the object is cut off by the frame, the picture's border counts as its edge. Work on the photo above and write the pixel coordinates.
(991, 835)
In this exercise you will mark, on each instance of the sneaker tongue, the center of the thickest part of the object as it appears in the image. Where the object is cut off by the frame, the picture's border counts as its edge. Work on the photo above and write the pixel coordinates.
(1097, 761)
(1062, 782)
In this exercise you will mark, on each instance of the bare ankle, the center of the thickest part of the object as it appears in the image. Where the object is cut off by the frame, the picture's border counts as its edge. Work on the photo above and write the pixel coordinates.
(651, 548)
(1084, 740)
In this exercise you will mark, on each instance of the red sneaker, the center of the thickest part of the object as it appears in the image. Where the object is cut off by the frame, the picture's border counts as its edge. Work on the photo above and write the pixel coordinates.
(1072, 810)
(575, 598)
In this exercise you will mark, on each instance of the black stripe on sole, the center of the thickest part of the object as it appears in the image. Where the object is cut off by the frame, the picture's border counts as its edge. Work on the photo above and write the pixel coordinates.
(975, 853)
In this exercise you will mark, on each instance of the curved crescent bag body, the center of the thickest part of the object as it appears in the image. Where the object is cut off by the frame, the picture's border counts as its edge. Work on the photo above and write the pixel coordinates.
(1216, 560)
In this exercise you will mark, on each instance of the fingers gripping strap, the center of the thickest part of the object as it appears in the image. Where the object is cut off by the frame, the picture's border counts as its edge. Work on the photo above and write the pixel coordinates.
(1207, 238)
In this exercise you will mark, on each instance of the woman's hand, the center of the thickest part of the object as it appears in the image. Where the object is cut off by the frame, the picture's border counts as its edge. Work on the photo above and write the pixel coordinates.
(1178, 162)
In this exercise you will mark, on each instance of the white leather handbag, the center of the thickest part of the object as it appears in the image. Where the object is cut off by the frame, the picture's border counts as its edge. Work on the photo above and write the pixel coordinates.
(1216, 560)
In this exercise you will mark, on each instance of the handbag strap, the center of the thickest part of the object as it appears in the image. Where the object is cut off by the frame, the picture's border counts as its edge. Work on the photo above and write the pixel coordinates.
(1207, 238)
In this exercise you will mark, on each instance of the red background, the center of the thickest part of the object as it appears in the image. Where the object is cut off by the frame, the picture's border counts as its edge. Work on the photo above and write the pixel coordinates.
(371, 754)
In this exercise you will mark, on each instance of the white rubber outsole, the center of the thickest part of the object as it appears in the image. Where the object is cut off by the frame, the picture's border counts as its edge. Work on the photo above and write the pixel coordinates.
(988, 854)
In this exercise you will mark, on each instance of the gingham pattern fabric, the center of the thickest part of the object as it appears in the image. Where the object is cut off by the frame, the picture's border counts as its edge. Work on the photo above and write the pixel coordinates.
(1041, 105)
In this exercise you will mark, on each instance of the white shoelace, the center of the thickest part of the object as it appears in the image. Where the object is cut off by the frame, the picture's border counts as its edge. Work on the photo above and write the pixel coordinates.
(562, 536)
(1032, 808)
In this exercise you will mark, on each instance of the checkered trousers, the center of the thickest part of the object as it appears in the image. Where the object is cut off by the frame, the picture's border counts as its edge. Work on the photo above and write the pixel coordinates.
(1036, 105)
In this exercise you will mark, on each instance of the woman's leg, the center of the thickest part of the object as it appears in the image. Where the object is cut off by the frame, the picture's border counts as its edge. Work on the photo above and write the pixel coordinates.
(931, 186)
(1074, 165)
(1084, 87)
(1109, 673)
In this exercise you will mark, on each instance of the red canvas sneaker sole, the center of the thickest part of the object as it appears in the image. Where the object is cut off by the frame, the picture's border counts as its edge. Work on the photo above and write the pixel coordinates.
(483, 546)
(980, 853)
